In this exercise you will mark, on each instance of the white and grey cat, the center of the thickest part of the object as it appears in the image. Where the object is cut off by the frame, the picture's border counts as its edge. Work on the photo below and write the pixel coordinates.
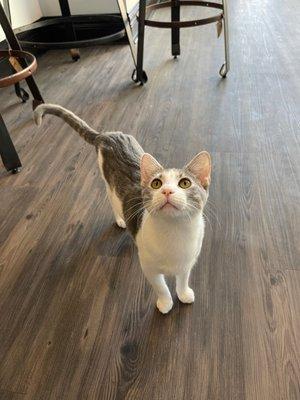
(162, 208)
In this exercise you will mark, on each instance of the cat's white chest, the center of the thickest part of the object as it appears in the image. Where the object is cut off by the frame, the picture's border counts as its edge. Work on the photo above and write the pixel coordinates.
(170, 246)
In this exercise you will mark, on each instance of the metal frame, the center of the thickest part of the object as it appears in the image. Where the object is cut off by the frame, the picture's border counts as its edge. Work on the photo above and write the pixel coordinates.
(175, 32)
(137, 51)
(15, 45)
(8, 152)
(70, 44)
(226, 66)
(132, 43)
(139, 75)
(68, 21)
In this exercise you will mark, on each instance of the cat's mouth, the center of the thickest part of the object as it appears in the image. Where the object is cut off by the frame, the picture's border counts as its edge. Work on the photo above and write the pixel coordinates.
(167, 205)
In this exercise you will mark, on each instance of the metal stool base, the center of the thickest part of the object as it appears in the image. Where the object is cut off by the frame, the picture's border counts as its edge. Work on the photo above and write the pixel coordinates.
(139, 75)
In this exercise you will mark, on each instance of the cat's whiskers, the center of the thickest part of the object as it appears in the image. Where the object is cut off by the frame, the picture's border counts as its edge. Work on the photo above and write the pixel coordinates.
(138, 210)
(145, 217)
(134, 214)
(212, 213)
(206, 219)
(135, 205)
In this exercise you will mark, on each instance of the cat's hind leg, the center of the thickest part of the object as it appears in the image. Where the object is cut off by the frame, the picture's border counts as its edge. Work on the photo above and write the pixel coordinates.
(115, 202)
(116, 207)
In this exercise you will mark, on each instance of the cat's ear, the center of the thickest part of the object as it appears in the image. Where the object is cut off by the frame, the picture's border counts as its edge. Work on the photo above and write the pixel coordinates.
(200, 167)
(149, 167)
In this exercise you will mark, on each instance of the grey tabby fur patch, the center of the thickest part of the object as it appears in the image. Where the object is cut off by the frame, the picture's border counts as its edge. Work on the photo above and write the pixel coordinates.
(121, 161)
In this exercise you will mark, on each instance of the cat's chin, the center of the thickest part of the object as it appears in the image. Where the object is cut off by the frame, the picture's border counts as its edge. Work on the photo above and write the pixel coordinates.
(170, 210)
(168, 206)
(173, 212)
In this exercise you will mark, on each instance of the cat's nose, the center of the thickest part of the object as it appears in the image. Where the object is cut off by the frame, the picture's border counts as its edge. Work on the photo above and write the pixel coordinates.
(167, 192)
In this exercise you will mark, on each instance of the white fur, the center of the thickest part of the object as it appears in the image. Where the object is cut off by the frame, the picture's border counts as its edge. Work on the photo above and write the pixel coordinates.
(170, 237)
(116, 206)
(170, 180)
(169, 242)
(169, 246)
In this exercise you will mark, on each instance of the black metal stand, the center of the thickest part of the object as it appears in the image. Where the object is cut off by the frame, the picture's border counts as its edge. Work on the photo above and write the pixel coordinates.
(21, 93)
(15, 45)
(8, 152)
(139, 75)
(71, 31)
(175, 16)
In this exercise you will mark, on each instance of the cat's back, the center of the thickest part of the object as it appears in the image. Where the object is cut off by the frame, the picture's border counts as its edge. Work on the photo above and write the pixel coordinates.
(119, 158)
(122, 146)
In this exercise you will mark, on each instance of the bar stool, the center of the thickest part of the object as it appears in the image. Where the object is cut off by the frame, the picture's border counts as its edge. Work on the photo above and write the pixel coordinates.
(23, 65)
(139, 75)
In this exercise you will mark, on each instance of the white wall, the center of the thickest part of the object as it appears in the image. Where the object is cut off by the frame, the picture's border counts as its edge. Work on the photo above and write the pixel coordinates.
(51, 7)
(23, 14)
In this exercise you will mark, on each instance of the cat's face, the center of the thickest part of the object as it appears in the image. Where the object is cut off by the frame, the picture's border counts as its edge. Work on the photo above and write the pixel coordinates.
(175, 192)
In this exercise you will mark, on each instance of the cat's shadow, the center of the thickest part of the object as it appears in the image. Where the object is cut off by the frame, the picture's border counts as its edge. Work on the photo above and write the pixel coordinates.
(112, 241)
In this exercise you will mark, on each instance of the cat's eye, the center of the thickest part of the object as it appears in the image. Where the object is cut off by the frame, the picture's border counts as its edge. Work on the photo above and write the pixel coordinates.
(156, 183)
(184, 183)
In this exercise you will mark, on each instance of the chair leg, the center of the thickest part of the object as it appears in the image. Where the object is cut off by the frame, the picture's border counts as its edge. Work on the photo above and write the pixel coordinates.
(21, 93)
(15, 45)
(175, 16)
(131, 39)
(8, 152)
(140, 75)
(37, 97)
(226, 66)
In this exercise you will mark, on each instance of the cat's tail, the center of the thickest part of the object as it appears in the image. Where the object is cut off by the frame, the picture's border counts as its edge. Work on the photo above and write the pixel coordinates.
(85, 131)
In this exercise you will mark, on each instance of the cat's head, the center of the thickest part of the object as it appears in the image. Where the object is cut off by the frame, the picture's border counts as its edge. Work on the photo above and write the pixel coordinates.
(175, 192)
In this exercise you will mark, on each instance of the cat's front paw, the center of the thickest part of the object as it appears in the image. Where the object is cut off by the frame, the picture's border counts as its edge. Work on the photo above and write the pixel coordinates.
(164, 305)
(187, 297)
(121, 223)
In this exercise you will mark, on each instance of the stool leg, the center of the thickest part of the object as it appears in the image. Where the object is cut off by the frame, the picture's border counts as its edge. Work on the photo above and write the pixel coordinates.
(37, 97)
(140, 73)
(175, 16)
(21, 93)
(15, 45)
(226, 66)
(131, 39)
(8, 152)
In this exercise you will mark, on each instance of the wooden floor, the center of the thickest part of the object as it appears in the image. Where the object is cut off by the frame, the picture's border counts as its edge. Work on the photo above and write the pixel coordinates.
(77, 318)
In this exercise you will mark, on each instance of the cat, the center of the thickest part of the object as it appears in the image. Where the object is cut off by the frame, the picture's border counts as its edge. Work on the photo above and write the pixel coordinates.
(161, 208)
